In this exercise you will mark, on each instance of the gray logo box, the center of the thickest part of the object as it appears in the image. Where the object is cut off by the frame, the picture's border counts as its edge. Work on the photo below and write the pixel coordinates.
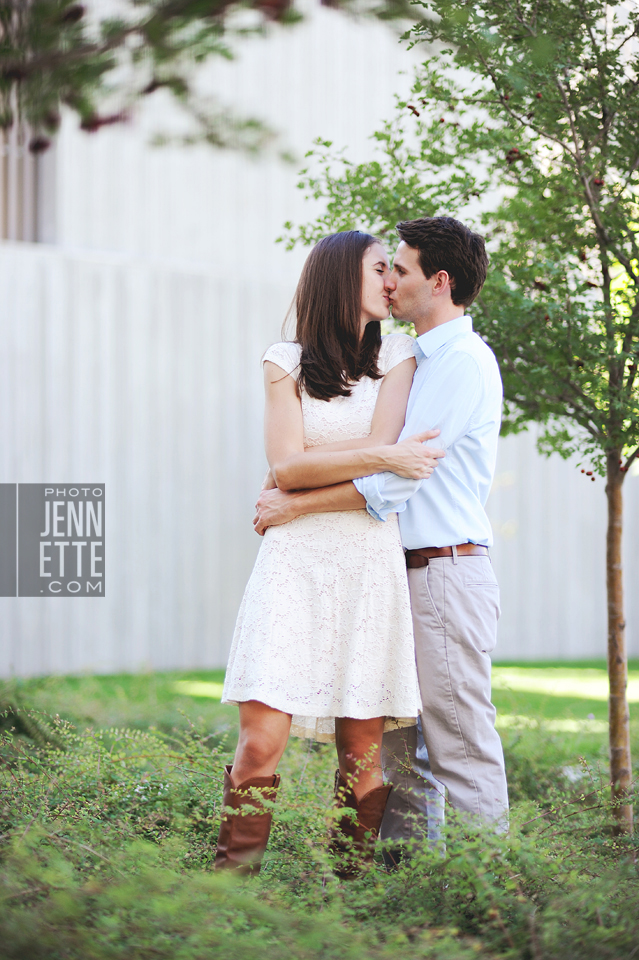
(8, 539)
(61, 540)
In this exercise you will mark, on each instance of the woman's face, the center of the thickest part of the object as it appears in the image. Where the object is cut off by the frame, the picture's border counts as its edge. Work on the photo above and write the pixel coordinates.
(375, 270)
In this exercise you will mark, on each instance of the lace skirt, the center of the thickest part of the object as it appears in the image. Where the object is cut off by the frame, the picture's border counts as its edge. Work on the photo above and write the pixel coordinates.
(325, 629)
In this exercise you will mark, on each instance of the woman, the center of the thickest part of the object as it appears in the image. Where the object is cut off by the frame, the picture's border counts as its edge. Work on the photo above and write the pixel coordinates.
(323, 645)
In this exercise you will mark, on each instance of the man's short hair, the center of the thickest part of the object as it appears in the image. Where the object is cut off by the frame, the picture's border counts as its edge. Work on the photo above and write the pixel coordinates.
(446, 244)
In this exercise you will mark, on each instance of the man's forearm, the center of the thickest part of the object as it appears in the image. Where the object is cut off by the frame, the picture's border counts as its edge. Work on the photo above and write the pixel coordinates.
(317, 467)
(340, 496)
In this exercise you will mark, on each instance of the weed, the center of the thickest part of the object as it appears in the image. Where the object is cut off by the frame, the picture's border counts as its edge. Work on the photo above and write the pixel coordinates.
(106, 840)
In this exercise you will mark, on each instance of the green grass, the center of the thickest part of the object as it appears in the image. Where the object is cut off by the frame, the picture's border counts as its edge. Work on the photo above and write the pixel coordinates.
(539, 727)
(168, 701)
(139, 701)
(567, 700)
(558, 689)
(106, 836)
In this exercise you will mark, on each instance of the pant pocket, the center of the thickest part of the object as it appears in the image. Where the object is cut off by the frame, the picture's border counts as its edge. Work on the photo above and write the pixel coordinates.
(479, 571)
(439, 614)
(485, 611)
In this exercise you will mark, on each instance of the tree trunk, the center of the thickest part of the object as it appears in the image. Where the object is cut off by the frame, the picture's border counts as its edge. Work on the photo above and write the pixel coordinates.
(620, 762)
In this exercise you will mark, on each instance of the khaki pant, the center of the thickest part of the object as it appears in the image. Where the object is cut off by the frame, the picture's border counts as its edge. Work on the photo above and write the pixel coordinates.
(455, 604)
(415, 807)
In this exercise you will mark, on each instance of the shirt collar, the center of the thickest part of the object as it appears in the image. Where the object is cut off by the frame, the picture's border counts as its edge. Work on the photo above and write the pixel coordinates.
(432, 340)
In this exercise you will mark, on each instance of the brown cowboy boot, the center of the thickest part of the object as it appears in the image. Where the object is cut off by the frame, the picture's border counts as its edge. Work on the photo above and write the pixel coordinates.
(353, 838)
(243, 836)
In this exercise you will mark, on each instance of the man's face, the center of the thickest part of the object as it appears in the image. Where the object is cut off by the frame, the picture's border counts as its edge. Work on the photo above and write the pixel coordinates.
(409, 292)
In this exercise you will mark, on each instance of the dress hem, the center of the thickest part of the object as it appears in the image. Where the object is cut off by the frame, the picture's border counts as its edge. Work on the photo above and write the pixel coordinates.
(328, 713)
(305, 725)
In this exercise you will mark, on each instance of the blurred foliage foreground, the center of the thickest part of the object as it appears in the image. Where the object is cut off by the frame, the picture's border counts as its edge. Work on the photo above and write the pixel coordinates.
(106, 839)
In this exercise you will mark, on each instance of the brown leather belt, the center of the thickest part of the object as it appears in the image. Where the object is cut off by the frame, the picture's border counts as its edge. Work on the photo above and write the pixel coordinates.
(420, 558)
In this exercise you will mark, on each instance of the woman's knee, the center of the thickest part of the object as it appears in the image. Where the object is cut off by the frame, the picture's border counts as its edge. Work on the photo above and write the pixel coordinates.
(261, 742)
(260, 746)
(358, 738)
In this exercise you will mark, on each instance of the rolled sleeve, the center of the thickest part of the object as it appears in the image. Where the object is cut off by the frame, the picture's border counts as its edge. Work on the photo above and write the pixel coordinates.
(386, 493)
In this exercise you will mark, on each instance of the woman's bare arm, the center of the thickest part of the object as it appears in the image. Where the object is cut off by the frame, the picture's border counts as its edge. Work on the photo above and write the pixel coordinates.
(294, 468)
(388, 417)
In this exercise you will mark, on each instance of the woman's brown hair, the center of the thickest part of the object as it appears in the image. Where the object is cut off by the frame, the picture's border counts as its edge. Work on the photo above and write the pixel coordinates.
(328, 308)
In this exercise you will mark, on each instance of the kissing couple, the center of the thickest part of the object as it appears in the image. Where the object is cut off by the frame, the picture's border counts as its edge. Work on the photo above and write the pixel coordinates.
(372, 608)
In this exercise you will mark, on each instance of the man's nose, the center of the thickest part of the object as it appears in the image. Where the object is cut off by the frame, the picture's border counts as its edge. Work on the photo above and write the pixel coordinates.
(390, 283)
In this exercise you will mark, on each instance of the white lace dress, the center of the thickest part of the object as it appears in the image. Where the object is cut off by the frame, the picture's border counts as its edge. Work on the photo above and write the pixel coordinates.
(324, 629)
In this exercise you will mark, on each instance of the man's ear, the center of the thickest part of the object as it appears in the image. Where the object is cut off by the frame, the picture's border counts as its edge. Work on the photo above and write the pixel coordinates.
(441, 284)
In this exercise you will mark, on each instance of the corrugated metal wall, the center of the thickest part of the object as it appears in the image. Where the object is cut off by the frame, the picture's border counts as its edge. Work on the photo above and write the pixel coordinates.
(332, 77)
(130, 356)
(550, 525)
(130, 373)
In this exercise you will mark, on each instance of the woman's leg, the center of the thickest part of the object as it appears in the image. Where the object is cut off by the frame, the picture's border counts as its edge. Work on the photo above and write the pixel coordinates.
(359, 786)
(359, 744)
(263, 737)
(244, 831)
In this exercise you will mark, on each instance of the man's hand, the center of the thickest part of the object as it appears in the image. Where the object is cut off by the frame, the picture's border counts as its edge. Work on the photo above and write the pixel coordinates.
(410, 458)
(268, 482)
(272, 508)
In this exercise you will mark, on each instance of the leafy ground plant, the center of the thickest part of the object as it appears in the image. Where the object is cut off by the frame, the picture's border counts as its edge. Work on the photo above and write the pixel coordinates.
(107, 837)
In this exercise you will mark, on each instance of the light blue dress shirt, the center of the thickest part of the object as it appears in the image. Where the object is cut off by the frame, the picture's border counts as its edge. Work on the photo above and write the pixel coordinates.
(457, 387)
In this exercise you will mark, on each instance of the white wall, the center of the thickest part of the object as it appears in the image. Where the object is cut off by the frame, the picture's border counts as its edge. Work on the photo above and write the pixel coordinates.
(549, 522)
(134, 375)
(130, 356)
(330, 76)
(123, 372)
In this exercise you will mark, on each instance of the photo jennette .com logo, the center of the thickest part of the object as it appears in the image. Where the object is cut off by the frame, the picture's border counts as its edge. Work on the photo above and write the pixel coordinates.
(52, 540)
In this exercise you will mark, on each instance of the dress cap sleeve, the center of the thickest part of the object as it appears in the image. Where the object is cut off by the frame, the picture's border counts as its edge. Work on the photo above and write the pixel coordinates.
(395, 348)
(286, 355)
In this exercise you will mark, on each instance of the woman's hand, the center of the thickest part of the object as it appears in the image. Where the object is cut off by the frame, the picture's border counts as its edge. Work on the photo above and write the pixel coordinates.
(410, 458)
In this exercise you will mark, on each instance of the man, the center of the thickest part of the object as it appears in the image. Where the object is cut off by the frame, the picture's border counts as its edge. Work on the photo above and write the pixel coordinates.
(439, 269)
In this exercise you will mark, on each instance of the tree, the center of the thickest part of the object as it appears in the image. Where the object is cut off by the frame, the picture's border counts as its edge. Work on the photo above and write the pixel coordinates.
(525, 121)
(58, 53)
